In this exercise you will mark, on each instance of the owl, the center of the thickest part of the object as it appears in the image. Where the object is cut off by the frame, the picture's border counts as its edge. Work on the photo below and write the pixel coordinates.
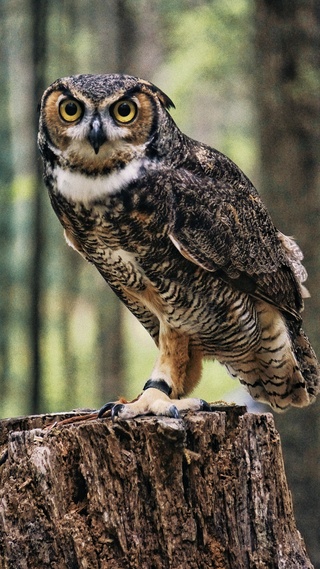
(181, 235)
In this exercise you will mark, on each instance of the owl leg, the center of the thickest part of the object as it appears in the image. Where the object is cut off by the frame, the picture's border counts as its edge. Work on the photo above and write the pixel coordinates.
(175, 373)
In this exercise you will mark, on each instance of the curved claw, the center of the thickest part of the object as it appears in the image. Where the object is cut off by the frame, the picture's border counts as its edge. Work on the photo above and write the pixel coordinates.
(173, 412)
(116, 409)
(105, 408)
(204, 406)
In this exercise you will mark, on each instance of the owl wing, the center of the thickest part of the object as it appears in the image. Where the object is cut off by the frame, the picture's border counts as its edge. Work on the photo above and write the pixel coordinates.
(226, 229)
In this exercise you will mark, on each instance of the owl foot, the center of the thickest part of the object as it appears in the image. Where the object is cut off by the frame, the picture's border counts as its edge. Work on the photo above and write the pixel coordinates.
(154, 400)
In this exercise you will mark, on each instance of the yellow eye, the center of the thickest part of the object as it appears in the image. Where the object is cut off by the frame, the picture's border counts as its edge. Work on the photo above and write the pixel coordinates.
(70, 110)
(124, 111)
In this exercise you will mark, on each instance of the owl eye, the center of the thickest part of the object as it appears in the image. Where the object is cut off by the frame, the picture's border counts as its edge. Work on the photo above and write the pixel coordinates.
(124, 111)
(70, 110)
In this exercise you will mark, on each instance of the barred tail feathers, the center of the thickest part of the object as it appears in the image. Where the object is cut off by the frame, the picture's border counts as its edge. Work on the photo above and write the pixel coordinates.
(283, 371)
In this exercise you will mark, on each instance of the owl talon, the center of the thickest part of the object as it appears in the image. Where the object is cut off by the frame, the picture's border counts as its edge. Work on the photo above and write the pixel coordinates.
(173, 412)
(204, 406)
(116, 409)
(105, 408)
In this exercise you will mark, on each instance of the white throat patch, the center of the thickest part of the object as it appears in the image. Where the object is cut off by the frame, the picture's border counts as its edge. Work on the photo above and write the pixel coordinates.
(81, 188)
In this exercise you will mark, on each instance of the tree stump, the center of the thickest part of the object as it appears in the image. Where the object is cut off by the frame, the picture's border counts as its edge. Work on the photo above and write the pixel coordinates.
(207, 490)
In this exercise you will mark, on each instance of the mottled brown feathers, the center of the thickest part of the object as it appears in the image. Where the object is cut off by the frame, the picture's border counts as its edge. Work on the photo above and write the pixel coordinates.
(182, 237)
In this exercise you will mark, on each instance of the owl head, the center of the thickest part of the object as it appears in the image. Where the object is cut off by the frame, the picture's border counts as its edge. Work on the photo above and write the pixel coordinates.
(86, 115)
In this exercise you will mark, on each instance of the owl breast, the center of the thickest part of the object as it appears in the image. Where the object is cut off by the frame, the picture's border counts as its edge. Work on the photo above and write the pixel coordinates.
(127, 239)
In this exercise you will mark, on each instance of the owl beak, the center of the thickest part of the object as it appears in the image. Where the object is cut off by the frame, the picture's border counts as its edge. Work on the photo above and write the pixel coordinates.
(96, 135)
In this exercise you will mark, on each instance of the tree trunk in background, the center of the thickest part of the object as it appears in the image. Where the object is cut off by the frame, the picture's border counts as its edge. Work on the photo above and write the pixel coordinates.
(39, 43)
(110, 356)
(5, 296)
(5, 233)
(205, 491)
(288, 87)
(25, 28)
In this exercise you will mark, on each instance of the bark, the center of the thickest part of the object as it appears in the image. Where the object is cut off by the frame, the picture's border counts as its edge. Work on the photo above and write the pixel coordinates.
(207, 490)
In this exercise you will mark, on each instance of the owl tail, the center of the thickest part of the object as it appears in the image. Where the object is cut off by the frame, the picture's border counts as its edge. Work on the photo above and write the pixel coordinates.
(283, 371)
(301, 382)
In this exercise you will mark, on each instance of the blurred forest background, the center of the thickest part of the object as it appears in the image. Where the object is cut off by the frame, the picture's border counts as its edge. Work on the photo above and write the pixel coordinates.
(244, 77)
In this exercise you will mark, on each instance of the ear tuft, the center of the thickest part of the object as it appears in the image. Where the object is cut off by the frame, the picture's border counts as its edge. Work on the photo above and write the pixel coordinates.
(163, 98)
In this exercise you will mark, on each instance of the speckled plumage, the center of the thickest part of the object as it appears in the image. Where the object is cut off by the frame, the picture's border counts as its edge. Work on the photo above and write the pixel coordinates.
(182, 237)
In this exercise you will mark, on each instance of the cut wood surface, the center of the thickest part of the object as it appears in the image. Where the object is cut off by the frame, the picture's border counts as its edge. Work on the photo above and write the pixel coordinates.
(207, 490)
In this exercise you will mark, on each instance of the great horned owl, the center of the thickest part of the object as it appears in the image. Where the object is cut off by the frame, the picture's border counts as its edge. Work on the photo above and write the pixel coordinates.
(182, 237)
